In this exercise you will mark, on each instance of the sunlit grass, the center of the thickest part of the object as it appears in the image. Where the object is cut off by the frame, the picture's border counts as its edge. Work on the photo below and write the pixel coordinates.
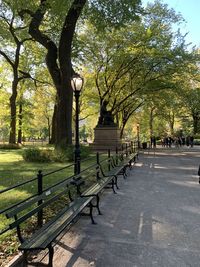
(14, 170)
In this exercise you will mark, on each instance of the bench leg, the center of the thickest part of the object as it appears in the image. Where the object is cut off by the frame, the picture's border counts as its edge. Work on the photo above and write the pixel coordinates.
(130, 164)
(91, 215)
(51, 252)
(116, 184)
(124, 172)
(98, 199)
(113, 183)
(25, 261)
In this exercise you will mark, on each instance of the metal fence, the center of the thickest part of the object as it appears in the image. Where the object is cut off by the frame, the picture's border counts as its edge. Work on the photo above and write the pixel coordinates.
(40, 178)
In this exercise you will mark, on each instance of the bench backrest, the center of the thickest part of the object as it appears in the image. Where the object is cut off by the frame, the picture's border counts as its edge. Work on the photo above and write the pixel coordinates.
(27, 209)
(85, 178)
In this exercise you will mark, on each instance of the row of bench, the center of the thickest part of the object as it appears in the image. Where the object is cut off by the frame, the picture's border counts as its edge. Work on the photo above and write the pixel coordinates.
(72, 196)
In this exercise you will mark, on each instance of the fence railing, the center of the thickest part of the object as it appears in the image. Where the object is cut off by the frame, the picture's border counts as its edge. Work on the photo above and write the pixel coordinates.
(40, 177)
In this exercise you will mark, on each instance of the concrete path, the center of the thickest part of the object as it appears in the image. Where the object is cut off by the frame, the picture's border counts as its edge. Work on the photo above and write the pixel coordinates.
(153, 220)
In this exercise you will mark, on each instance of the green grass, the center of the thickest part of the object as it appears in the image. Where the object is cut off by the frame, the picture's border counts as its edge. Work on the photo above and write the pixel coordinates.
(14, 170)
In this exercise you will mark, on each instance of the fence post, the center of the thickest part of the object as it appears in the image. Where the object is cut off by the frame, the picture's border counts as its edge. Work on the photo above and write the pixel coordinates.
(40, 191)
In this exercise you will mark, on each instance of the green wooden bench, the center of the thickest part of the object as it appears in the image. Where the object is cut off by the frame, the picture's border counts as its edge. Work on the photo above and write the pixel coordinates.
(128, 157)
(86, 188)
(117, 164)
(44, 237)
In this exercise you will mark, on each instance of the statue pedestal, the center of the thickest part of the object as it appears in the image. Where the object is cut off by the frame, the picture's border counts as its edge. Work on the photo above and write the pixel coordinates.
(106, 138)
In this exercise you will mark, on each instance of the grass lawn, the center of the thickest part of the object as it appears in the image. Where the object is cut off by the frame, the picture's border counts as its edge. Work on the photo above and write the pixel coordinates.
(14, 170)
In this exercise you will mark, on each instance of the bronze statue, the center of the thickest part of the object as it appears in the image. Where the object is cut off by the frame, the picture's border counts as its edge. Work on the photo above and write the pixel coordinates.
(106, 117)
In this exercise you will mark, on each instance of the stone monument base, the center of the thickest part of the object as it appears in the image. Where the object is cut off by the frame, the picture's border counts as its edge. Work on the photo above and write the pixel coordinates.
(106, 138)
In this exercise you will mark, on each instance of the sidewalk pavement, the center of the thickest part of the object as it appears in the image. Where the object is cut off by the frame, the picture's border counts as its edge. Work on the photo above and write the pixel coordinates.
(153, 220)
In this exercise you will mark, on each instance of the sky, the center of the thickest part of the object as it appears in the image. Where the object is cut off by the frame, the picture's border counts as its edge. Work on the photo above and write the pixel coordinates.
(190, 10)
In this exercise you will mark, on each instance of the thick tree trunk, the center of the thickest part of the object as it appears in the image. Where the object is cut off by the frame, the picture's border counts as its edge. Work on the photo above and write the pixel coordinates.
(64, 116)
(61, 73)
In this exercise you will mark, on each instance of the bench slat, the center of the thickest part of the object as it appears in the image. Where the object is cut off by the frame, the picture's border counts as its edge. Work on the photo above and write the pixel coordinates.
(35, 210)
(30, 202)
(97, 187)
(43, 237)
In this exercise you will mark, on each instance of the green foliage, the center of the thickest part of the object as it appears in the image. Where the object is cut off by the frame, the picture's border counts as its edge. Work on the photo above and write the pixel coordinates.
(197, 141)
(60, 155)
(57, 155)
(37, 155)
(109, 13)
(67, 154)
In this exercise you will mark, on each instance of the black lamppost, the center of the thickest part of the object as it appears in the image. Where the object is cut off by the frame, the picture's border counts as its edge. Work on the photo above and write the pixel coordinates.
(77, 85)
(138, 135)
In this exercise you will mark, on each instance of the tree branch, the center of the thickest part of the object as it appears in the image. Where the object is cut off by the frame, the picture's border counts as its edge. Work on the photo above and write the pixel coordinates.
(68, 29)
(51, 57)
(7, 58)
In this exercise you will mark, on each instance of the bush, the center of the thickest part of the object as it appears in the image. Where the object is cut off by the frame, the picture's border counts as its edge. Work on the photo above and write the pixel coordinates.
(57, 155)
(67, 154)
(196, 141)
(37, 155)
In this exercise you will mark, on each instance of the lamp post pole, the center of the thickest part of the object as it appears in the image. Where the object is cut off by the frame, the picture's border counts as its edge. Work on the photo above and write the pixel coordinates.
(77, 85)
(77, 152)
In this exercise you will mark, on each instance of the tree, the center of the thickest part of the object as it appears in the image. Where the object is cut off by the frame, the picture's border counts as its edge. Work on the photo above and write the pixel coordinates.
(13, 37)
(132, 63)
(59, 51)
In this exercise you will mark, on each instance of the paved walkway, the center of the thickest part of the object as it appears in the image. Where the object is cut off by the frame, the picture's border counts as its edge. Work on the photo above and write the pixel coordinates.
(154, 220)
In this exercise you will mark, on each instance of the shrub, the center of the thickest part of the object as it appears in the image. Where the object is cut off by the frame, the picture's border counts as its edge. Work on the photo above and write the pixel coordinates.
(196, 141)
(37, 155)
(59, 155)
(85, 151)
(67, 154)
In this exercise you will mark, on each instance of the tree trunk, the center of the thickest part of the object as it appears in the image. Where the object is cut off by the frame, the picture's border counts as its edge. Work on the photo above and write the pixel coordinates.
(19, 140)
(12, 135)
(122, 131)
(171, 122)
(61, 73)
(64, 114)
(52, 140)
(196, 123)
(49, 129)
(151, 122)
